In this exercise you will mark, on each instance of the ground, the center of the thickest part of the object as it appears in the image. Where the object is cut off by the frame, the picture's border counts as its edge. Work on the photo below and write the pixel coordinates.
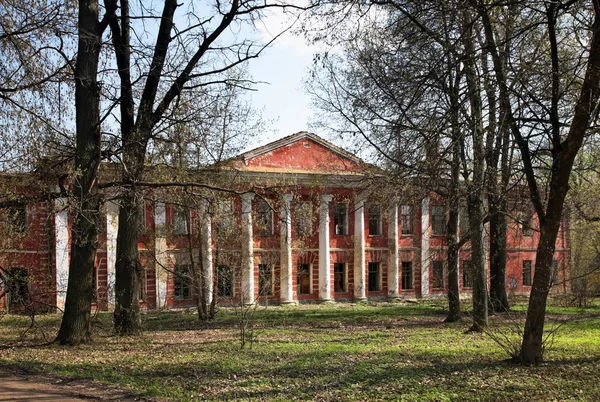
(23, 385)
(338, 352)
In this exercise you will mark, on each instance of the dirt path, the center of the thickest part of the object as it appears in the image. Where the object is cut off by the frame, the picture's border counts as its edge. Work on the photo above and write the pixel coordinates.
(17, 384)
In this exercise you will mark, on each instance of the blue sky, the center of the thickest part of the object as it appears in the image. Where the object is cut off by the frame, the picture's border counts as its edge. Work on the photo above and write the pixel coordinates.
(284, 67)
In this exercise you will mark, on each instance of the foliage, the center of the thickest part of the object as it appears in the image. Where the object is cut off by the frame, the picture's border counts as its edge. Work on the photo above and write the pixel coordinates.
(347, 352)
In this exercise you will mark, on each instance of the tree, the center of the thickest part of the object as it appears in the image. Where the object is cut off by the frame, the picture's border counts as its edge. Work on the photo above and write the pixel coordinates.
(410, 88)
(76, 324)
(173, 66)
(563, 146)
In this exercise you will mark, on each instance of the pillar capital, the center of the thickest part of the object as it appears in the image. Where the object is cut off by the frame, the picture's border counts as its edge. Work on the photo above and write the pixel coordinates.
(287, 198)
(326, 198)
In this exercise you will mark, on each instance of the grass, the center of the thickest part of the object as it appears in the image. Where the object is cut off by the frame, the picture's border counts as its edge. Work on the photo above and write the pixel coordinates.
(348, 352)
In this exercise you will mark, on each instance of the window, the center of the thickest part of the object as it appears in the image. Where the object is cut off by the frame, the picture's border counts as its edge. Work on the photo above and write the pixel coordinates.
(16, 286)
(265, 280)
(438, 220)
(304, 279)
(467, 273)
(17, 219)
(527, 273)
(339, 277)
(180, 220)
(437, 280)
(407, 275)
(182, 288)
(375, 220)
(304, 219)
(555, 280)
(374, 277)
(340, 218)
(224, 216)
(224, 279)
(264, 218)
(406, 219)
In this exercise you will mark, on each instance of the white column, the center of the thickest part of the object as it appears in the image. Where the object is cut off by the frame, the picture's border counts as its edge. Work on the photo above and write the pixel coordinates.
(206, 245)
(160, 254)
(393, 280)
(61, 234)
(285, 272)
(324, 250)
(425, 247)
(112, 228)
(360, 291)
(247, 250)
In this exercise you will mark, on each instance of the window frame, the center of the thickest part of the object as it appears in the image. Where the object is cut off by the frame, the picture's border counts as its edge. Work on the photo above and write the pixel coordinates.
(219, 275)
(270, 283)
(377, 282)
(375, 219)
(180, 212)
(406, 220)
(17, 217)
(225, 213)
(340, 219)
(304, 218)
(404, 275)
(437, 265)
(467, 274)
(298, 276)
(344, 277)
(183, 281)
(438, 220)
(264, 219)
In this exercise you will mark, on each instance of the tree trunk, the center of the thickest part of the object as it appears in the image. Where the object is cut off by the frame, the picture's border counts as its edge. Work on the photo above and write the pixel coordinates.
(76, 325)
(498, 296)
(475, 187)
(127, 318)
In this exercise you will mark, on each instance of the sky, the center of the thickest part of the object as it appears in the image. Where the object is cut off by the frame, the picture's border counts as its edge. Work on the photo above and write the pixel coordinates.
(283, 67)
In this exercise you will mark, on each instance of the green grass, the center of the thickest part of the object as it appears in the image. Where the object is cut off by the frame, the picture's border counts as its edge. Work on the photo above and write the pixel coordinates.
(348, 352)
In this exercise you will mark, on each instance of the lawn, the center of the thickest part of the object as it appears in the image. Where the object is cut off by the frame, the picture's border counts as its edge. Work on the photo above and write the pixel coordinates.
(345, 352)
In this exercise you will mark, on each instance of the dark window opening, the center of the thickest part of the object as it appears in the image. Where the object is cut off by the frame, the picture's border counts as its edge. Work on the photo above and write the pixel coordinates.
(182, 289)
(265, 280)
(303, 279)
(374, 277)
(407, 275)
(224, 279)
(340, 218)
(339, 277)
(437, 281)
(264, 219)
(375, 226)
(467, 273)
(406, 219)
(438, 220)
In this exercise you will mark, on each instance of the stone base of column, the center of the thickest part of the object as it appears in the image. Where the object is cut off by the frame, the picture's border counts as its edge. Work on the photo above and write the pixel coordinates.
(360, 299)
(393, 297)
(288, 303)
(324, 301)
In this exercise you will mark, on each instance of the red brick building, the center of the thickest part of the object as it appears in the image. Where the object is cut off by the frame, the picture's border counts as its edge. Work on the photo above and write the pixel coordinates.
(301, 220)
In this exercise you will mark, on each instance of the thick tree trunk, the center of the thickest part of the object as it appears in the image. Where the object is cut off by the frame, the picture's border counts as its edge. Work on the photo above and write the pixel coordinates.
(75, 327)
(127, 318)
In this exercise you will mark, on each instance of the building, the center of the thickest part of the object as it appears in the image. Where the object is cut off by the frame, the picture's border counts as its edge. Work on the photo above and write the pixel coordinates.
(301, 220)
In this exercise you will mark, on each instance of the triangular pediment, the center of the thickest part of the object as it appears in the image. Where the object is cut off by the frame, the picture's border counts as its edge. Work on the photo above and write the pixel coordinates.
(299, 153)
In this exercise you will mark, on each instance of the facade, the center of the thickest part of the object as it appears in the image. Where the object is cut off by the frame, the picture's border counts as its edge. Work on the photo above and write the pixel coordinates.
(300, 220)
